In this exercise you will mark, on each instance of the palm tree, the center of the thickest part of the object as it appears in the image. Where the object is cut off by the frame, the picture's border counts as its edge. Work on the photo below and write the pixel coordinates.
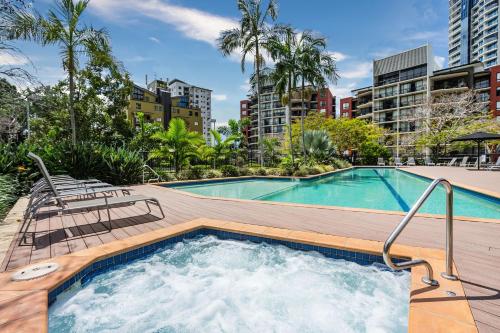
(271, 149)
(283, 49)
(318, 145)
(249, 38)
(314, 66)
(177, 143)
(62, 27)
(222, 147)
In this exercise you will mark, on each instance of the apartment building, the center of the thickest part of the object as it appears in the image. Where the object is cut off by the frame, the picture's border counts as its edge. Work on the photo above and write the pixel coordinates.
(198, 98)
(160, 107)
(245, 113)
(402, 83)
(273, 113)
(473, 32)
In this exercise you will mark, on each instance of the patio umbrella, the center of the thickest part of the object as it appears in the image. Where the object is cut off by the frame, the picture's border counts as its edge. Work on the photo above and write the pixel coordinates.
(478, 137)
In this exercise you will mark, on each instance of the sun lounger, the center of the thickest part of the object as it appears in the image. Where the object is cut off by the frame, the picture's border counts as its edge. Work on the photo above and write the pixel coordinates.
(428, 162)
(411, 161)
(450, 163)
(464, 161)
(397, 162)
(380, 161)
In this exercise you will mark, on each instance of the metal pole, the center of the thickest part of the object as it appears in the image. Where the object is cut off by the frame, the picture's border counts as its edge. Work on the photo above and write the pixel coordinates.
(448, 274)
(28, 118)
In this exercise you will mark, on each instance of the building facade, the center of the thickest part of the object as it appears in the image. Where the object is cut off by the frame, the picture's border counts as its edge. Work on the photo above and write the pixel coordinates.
(404, 82)
(198, 98)
(473, 32)
(274, 115)
(160, 107)
(245, 106)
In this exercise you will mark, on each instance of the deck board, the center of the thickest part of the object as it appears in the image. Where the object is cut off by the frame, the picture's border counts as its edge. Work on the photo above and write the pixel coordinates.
(477, 245)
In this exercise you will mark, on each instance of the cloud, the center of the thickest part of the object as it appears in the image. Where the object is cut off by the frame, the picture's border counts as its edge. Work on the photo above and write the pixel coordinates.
(219, 97)
(439, 61)
(9, 59)
(245, 86)
(192, 23)
(342, 91)
(357, 71)
(338, 55)
(155, 40)
(384, 53)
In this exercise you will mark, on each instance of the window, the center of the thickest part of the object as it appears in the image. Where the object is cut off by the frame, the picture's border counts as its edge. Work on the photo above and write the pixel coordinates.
(196, 114)
(498, 91)
(138, 106)
(345, 106)
(190, 113)
(244, 106)
(498, 106)
(498, 77)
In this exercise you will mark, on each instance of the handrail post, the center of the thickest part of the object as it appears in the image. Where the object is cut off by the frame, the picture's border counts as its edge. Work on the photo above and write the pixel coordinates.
(429, 279)
(448, 274)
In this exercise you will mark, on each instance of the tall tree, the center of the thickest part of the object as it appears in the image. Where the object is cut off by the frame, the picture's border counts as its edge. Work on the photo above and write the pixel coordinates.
(63, 27)
(283, 49)
(250, 38)
(222, 147)
(316, 67)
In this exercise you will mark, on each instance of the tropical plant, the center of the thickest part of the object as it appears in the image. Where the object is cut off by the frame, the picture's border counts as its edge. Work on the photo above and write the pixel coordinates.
(177, 144)
(318, 145)
(250, 38)
(63, 27)
(229, 171)
(271, 151)
(222, 148)
(315, 66)
(370, 151)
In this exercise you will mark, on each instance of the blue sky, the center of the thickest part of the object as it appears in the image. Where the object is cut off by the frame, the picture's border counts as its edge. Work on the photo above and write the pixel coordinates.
(176, 39)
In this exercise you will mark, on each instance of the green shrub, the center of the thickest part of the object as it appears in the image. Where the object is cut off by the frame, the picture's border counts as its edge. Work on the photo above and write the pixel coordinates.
(229, 171)
(274, 172)
(301, 172)
(261, 172)
(338, 163)
(285, 172)
(327, 168)
(314, 170)
(197, 172)
(371, 151)
(244, 172)
(213, 174)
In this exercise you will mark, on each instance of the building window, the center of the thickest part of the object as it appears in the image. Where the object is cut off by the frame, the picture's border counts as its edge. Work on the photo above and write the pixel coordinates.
(196, 114)
(498, 91)
(243, 106)
(322, 103)
(345, 106)
(498, 77)
(195, 123)
(190, 113)
(498, 106)
(138, 106)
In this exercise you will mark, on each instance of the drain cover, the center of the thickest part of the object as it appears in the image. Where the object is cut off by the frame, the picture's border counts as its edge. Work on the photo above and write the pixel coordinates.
(450, 293)
(35, 271)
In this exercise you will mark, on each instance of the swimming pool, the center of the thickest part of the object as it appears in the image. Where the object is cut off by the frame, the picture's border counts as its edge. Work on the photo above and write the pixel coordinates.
(210, 284)
(369, 188)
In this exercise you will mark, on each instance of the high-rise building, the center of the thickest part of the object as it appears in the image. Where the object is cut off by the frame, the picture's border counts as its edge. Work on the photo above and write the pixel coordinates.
(402, 83)
(198, 98)
(473, 32)
(273, 114)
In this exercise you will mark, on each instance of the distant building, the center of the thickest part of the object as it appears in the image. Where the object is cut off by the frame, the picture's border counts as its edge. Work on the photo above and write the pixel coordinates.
(473, 32)
(402, 83)
(197, 98)
(245, 113)
(160, 107)
(273, 114)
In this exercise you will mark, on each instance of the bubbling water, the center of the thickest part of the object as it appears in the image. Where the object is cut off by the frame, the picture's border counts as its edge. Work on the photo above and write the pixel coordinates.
(213, 285)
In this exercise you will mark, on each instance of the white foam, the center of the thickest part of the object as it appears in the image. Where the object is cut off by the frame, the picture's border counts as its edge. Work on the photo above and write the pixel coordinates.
(210, 285)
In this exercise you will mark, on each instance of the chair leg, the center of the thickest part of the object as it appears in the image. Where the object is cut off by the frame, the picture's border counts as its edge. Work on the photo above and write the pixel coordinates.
(147, 205)
(161, 209)
(109, 218)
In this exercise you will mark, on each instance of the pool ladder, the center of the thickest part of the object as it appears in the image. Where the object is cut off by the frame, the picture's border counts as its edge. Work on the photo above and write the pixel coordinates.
(429, 279)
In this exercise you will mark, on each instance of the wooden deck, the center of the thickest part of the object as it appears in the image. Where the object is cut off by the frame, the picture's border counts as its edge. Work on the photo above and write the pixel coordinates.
(477, 244)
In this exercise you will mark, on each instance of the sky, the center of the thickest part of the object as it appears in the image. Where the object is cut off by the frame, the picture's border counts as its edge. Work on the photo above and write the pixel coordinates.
(170, 39)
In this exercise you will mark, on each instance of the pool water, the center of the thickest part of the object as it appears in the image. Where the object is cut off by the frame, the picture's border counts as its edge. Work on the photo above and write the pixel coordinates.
(370, 188)
(211, 285)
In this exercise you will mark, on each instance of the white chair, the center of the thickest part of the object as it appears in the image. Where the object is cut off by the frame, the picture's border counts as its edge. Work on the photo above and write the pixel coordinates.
(428, 162)
(495, 166)
(397, 162)
(380, 161)
(450, 163)
(464, 161)
(411, 161)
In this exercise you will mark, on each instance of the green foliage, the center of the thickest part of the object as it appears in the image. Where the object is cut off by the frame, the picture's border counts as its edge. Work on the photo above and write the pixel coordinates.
(338, 163)
(9, 192)
(318, 146)
(177, 144)
(222, 148)
(370, 151)
(272, 148)
(213, 174)
(229, 171)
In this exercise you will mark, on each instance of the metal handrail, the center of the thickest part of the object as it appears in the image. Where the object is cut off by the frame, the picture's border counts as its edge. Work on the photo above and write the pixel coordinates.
(429, 279)
(145, 166)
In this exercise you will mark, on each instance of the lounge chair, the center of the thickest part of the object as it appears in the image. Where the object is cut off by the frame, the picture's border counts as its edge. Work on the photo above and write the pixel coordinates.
(428, 162)
(397, 162)
(64, 206)
(495, 166)
(380, 161)
(464, 161)
(450, 163)
(411, 161)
